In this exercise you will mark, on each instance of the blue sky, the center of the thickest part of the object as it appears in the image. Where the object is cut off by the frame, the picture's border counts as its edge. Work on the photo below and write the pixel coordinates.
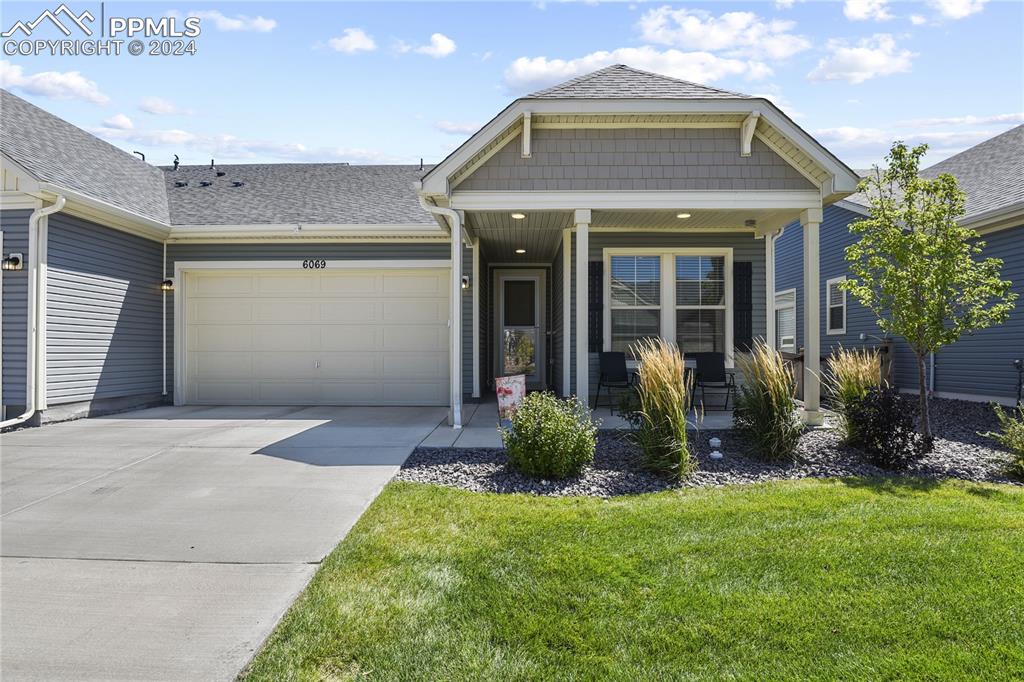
(394, 82)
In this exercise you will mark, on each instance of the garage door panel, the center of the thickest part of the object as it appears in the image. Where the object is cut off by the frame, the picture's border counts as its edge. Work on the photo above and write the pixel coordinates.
(343, 284)
(221, 337)
(364, 337)
(414, 312)
(425, 285)
(220, 310)
(350, 312)
(240, 284)
(414, 338)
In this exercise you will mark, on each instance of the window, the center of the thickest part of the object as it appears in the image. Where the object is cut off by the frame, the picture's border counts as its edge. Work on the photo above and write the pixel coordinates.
(835, 301)
(635, 300)
(785, 320)
(684, 295)
(700, 303)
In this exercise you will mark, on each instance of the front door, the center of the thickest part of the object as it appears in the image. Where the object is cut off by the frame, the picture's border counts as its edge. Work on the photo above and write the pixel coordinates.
(520, 321)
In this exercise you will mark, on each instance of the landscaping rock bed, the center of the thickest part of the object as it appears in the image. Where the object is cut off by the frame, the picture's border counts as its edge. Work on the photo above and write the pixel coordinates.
(618, 466)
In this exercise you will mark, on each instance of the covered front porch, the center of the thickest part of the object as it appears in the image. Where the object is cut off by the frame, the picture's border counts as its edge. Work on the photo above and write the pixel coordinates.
(702, 277)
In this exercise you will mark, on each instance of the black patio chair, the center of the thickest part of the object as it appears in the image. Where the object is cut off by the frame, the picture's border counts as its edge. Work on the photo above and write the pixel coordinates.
(614, 375)
(710, 373)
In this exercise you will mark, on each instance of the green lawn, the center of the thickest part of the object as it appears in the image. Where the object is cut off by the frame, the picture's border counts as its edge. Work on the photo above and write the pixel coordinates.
(803, 580)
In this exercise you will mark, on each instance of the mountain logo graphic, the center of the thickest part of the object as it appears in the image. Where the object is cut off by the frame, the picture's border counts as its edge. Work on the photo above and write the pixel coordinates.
(76, 19)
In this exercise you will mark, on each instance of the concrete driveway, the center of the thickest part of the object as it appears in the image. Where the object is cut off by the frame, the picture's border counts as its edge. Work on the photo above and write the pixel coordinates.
(167, 543)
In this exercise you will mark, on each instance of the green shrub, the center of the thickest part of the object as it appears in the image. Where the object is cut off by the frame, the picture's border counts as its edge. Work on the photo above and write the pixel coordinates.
(550, 438)
(664, 400)
(765, 411)
(1011, 437)
(849, 377)
(883, 422)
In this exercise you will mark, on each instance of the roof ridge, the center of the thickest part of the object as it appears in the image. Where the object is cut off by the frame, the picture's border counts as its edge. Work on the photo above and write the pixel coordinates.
(577, 79)
(673, 79)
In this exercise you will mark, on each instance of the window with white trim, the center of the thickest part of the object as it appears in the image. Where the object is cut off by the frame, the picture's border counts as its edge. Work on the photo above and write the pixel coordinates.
(700, 303)
(835, 303)
(635, 300)
(683, 295)
(785, 320)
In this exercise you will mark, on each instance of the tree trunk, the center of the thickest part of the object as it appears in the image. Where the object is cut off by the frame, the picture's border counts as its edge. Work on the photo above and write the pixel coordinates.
(926, 427)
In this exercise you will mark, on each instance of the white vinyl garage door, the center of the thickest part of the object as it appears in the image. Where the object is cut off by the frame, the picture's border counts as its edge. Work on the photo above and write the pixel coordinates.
(342, 337)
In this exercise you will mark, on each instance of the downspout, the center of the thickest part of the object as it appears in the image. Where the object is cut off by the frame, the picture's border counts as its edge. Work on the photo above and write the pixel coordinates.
(454, 222)
(36, 309)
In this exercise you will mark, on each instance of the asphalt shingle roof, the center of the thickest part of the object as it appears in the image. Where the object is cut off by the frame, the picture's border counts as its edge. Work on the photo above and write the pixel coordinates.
(991, 173)
(291, 193)
(624, 82)
(55, 151)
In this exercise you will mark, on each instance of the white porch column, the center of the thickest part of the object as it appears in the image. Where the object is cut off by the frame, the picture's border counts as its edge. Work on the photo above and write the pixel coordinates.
(810, 220)
(566, 312)
(769, 289)
(455, 327)
(475, 286)
(582, 221)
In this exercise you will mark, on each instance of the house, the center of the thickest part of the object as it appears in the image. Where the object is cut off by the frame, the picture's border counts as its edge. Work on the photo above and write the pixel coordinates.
(614, 206)
(977, 367)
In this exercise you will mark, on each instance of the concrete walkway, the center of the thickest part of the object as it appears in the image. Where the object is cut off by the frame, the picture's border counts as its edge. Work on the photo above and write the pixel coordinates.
(165, 544)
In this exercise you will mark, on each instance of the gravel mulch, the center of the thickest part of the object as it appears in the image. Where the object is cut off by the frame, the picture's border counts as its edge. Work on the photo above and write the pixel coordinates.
(618, 467)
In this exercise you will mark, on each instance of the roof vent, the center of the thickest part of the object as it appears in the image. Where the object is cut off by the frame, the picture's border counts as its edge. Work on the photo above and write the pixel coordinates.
(205, 183)
(750, 222)
(181, 183)
(221, 174)
(237, 183)
(176, 162)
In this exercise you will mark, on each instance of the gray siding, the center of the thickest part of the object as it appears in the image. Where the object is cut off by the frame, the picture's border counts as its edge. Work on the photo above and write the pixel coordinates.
(982, 364)
(635, 159)
(293, 251)
(745, 248)
(103, 312)
(14, 225)
(975, 365)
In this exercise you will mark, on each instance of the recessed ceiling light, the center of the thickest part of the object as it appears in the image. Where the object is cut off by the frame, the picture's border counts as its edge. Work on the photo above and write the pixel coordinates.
(518, 216)
(683, 215)
(520, 250)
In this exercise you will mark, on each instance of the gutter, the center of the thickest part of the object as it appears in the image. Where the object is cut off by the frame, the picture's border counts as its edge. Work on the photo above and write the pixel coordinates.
(36, 309)
(454, 222)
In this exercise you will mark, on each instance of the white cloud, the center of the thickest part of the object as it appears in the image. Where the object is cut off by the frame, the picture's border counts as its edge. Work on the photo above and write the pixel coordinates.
(737, 34)
(869, 58)
(160, 106)
(784, 4)
(239, 22)
(864, 10)
(440, 46)
(917, 19)
(957, 9)
(52, 84)
(966, 120)
(773, 93)
(353, 40)
(863, 147)
(703, 67)
(119, 121)
(453, 128)
(225, 147)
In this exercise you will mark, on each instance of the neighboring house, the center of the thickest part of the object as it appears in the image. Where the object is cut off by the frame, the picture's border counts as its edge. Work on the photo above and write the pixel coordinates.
(622, 204)
(977, 367)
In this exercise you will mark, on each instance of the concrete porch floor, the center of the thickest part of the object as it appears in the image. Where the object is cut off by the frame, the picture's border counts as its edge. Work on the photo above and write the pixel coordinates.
(480, 426)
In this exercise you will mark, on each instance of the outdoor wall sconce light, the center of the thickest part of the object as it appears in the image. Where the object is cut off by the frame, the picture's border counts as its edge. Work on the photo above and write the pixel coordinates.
(465, 281)
(14, 261)
(167, 285)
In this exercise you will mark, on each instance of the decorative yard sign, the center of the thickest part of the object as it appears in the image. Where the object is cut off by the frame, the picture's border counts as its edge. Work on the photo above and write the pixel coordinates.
(511, 391)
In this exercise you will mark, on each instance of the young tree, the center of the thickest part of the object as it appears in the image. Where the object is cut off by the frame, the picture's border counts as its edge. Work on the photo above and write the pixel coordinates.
(916, 269)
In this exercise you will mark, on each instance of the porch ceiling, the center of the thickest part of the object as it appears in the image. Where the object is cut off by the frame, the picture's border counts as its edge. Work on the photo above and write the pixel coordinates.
(540, 232)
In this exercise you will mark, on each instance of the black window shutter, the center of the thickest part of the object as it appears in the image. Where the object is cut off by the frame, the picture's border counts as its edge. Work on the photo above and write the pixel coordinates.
(743, 305)
(595, 307)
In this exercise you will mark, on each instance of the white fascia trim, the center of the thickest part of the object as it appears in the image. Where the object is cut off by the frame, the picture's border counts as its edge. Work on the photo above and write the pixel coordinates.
(997, 219)
(13, 201)
(16, 178)
(435, 182)
(829, 331)
(111, 216)
(851, 206)
(182, 266)
(667, 308)
(303, 230)
(639, 200)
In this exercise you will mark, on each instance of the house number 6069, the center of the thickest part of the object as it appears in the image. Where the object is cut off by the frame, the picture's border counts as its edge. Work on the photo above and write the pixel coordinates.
(314, 264)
